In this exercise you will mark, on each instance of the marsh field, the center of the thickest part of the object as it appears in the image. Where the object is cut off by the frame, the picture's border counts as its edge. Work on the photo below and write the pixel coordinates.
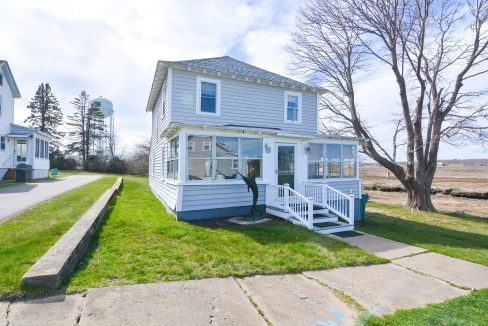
(471, 178)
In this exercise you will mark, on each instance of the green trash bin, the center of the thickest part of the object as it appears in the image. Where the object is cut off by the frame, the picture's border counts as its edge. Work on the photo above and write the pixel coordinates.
(54, 172)
(364, 200)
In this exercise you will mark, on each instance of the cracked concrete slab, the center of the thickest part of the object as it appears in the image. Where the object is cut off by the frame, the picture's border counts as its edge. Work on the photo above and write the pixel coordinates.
(53, 310)
(453, 270)
(197, 302)
(381, 247)
(3, 312)
(382, 289)
(297, 300)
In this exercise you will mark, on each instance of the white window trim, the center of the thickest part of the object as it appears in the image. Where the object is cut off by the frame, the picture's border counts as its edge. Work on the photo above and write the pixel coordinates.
(341, 176)
(4, 142)
(213, 180)
(199, 96)
(299, 107)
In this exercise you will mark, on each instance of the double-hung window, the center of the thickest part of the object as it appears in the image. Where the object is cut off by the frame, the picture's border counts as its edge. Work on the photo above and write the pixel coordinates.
(208, 96)
(293, 107)
(38, 141)
(220, 157)
(316, 155)
(2, 143)
(349, 161)
(172, 161)
(200, 159)
(333, 161)
(251, 156)
(227, 152)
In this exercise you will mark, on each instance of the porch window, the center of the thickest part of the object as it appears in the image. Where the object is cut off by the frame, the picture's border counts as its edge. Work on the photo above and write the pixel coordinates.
(227, 152)
(37, 146)
(46, 149)
(349, 161)
(208, 96)
(293, 107)
(251, 156)
(172, 162)
(222, 156)
(333, 161)
(200, 159)
(2, 143)
(316, 161)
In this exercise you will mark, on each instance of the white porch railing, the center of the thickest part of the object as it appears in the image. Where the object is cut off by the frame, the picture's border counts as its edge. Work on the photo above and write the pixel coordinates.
(292, 202)
(332, 199)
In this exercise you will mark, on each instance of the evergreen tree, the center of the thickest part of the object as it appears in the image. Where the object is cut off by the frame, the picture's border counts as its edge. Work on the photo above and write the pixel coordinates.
(45, 113)
(86, 127)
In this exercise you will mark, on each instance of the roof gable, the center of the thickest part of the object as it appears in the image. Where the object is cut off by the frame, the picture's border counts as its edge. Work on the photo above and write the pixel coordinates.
(9, 77)
(224, 67)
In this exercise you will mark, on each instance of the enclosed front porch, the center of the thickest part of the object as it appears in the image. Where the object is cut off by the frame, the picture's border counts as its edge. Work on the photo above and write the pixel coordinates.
(24, 147)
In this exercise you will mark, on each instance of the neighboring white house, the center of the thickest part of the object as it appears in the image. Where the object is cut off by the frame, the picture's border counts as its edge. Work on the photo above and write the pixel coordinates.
(18, 144)
(211, 117)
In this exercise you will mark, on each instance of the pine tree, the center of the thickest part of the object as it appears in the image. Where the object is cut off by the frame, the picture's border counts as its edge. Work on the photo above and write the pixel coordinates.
(45, 113)
(86, 127)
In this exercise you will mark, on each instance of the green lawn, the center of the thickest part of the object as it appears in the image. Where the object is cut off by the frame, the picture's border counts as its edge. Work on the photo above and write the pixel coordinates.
(449, 234)
(467, 310)
(26, 237)
(140, 243)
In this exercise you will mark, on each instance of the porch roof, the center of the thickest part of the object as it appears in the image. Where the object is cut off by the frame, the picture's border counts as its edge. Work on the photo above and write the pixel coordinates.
(18, 131)
(173, 127)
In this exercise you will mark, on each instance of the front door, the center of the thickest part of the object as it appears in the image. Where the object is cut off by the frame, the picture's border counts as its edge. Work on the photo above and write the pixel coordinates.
(20, 151)
(286, 164)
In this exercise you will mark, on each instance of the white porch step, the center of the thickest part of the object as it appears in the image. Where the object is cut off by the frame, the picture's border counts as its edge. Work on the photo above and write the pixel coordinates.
(325, 220)
(341, 227)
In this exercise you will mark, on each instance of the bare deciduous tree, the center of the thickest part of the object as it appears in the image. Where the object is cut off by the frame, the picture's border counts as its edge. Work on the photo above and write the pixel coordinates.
(433, 49)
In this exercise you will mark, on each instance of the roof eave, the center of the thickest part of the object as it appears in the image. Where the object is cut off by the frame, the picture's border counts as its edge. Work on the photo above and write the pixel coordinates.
(159, 75)
(10, 80)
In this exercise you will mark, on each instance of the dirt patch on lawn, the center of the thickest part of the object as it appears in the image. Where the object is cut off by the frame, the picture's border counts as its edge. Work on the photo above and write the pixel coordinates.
(224, 222)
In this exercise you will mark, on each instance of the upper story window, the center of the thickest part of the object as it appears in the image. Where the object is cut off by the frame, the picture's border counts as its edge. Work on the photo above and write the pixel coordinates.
(208, 96)
(2, 143)
(293, 107)
(1, 80)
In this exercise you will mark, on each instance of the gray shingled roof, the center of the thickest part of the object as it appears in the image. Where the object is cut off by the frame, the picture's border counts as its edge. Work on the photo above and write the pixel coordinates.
(231, 66)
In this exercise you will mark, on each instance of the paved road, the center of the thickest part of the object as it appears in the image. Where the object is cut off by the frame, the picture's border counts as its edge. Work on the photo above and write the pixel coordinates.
(15, 199)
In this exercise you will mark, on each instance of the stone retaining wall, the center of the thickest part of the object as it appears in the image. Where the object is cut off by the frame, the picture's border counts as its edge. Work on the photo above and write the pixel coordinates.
(59, 262)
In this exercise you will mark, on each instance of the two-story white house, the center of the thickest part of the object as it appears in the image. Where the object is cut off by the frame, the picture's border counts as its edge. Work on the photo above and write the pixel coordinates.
(18, 144)
(211, 117)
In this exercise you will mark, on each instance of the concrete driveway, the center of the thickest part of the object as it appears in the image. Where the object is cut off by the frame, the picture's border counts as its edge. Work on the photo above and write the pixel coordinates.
(15, 199)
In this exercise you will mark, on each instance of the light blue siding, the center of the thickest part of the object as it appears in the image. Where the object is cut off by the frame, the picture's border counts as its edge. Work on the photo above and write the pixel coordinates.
(241, 103)
(346, 186)
(197, 197)
(166, 192)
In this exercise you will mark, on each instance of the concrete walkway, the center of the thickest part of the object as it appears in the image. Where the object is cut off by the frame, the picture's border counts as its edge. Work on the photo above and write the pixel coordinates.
(309, 298)
(15, 199)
